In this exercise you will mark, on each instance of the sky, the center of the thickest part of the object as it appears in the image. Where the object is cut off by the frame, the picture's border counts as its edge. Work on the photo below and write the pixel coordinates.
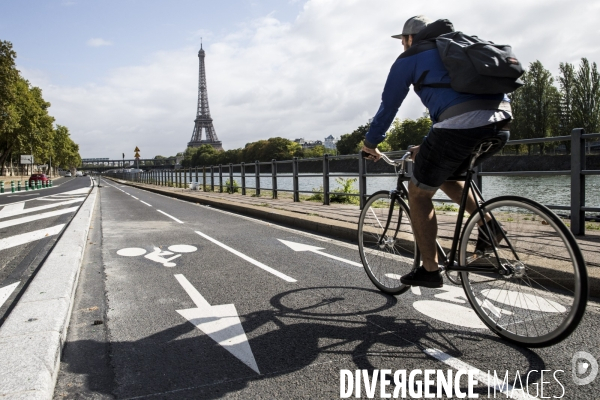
(124, 73)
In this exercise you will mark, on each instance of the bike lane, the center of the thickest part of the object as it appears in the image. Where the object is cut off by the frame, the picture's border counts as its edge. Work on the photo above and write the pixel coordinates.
(300, 334)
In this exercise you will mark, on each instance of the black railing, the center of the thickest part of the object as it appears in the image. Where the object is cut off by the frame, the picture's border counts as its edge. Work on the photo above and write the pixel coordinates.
(353, 166)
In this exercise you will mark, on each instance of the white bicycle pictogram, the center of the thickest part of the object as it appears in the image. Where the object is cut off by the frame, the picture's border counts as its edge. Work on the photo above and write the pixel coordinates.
(158, 255)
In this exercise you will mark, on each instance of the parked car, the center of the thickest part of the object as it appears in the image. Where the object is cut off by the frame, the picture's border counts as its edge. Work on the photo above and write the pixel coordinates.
(68, 174)
(78, 173)
(37, 177)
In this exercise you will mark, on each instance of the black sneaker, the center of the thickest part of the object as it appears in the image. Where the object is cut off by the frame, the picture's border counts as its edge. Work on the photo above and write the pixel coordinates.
(484, 244)
(422, 277)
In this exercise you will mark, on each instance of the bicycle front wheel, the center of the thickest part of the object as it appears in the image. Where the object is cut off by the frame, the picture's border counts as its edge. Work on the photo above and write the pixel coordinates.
(386, 243)
(542, 298)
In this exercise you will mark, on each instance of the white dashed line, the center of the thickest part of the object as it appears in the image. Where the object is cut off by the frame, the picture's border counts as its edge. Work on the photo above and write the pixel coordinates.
(170, 216)
(250, 260)
(141, 201)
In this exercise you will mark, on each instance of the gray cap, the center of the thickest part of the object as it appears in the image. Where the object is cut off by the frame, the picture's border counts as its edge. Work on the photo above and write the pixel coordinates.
(413, 26)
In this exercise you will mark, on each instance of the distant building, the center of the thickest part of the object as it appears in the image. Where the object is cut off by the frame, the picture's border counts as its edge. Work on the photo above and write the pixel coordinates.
(330, 142)
(308, 144)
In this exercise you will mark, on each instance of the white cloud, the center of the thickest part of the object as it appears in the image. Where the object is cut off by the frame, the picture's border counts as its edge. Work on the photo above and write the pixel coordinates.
(97, 42)
(321, 74)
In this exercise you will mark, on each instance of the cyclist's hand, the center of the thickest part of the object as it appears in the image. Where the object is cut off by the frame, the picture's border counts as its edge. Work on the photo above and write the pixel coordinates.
(414, 150)
(373, 154)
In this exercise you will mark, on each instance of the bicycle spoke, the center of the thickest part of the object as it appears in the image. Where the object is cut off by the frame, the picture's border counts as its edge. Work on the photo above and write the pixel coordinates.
(542, 291)
(386, 257)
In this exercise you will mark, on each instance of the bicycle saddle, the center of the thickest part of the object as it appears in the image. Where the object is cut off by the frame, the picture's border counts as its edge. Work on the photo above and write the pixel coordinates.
(491, 144)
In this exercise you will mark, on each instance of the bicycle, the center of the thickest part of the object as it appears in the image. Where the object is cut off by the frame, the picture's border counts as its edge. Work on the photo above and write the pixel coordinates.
(531, 288)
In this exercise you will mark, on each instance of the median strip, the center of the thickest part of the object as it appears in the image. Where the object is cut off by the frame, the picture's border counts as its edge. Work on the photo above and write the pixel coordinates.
(32, 336)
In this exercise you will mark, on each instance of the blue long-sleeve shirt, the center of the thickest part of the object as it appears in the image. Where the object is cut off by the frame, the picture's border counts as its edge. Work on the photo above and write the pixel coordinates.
(404, 72)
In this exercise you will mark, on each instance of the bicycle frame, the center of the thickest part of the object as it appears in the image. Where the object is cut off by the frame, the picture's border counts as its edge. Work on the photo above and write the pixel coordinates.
(450, 263)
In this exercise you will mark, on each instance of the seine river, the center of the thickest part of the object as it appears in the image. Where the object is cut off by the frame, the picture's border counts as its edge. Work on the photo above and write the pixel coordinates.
(549, 190)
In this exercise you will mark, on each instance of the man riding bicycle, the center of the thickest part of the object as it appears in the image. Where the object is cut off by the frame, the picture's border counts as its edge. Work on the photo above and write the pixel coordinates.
(460, 121)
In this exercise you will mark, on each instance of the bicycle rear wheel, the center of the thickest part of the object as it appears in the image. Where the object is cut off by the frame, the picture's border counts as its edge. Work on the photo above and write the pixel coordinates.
(386, 254)
(543, 298)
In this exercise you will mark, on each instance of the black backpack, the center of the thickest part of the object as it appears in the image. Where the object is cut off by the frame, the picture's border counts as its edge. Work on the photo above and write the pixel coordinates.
(476, 66)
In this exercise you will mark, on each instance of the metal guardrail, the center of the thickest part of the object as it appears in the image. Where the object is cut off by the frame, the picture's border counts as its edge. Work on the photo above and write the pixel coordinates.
(206, 176)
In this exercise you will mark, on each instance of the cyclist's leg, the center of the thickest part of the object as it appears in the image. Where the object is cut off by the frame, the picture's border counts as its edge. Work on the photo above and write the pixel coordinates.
(424, 224)
(454, 190)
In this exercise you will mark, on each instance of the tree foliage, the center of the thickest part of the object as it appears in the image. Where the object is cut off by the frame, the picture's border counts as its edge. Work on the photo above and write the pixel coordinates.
(350, 143)
(408, 132)
(586, 97)
(26, 127)
(535, 106)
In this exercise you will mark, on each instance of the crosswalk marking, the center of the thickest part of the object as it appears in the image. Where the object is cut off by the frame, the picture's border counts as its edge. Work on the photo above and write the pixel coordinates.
(6, 291)
(62, 198)
(11, 209)
(11, 212)
(23, 238)
(31, 218)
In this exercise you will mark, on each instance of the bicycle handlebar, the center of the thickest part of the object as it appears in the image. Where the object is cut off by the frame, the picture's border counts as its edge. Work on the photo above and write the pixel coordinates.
(396, 163)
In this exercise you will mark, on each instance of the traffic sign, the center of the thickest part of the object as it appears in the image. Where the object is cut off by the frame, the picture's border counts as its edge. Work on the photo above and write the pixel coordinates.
(26, 159)
(137, 155)
(137, 149)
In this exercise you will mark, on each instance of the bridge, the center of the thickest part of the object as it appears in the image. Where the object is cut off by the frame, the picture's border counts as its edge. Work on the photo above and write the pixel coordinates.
(105, 164)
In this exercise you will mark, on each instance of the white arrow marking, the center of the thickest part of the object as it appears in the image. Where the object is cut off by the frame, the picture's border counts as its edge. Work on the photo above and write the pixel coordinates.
(221, 323)
(6, 291)
(316, 250)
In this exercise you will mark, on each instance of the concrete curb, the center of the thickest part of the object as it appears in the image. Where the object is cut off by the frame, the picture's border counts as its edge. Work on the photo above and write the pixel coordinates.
(327, 227)
(32, 337)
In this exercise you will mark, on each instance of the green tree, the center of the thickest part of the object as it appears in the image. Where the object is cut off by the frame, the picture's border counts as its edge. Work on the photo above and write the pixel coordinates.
(204, 155)
(33, 131)
(188, 154)
(317, 151)
(566, 82)
(280, 149)
(66, 151)
(8, 91)
(408, 132)
(535, 106)
(348, 143)
(586, 97)
(273, 148)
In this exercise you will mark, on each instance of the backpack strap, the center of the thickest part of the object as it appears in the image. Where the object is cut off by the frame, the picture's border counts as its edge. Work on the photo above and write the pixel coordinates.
(418, 85)
(474, 105)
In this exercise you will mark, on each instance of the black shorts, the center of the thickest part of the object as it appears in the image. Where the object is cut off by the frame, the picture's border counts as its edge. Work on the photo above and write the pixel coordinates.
(446, 152)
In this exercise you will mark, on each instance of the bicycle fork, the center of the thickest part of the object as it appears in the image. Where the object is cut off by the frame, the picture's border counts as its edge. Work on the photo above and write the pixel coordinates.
(382, 240)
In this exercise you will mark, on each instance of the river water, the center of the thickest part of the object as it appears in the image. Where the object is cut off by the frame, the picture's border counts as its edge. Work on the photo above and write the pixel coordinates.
(549, 190)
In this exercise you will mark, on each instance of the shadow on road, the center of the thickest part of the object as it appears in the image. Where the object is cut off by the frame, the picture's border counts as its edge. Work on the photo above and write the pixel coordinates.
(305, 327)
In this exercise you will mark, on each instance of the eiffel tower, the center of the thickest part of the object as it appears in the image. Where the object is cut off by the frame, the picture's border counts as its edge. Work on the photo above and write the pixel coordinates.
(203, 120)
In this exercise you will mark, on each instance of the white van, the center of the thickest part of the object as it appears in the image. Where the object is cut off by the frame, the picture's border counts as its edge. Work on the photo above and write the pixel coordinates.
(78, 173)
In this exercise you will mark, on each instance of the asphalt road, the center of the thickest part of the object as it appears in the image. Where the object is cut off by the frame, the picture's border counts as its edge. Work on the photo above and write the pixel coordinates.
(30, 223)
(181, 301)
